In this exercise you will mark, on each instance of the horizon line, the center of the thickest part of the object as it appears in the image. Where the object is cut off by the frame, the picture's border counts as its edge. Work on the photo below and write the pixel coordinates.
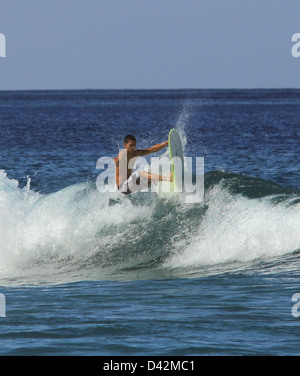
(159, 89)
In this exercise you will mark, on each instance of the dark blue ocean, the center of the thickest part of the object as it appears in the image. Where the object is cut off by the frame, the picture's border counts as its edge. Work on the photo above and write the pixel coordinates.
(84, 272)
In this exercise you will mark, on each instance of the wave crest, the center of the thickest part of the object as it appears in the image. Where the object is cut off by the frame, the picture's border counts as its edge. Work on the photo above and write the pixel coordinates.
(79, 233)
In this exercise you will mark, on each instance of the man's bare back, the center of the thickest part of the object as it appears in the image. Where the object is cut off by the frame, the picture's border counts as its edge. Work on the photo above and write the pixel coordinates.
(123, 167)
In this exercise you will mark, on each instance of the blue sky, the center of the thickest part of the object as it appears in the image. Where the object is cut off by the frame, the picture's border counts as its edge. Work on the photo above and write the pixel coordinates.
(140, 44)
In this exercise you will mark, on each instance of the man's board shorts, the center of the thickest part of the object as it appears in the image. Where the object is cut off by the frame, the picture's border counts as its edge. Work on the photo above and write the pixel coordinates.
(134, 184)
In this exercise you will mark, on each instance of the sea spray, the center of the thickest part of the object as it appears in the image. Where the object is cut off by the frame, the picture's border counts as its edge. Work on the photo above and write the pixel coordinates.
(236, 228)
(78, 233)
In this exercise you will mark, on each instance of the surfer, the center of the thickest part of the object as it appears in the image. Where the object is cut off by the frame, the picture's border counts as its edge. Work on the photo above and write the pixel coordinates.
(131, 183)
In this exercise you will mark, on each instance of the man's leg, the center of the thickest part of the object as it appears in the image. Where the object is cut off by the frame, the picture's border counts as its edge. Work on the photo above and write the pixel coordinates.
(155, 177)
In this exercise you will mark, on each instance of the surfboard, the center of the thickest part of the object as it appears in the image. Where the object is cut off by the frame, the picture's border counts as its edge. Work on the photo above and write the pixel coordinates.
(177, 160)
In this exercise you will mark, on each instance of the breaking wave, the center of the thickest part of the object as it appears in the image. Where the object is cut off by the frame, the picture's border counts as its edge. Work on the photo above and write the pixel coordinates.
(79, 233)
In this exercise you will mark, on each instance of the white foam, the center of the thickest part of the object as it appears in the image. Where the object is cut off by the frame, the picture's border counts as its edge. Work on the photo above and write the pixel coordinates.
(60, 232)
(37, 229)
(236, 228)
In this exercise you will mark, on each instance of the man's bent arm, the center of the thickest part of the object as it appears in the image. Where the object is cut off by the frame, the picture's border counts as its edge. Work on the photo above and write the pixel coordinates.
(121, 167)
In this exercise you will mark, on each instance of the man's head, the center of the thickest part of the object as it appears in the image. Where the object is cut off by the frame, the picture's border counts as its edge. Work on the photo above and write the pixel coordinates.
(129, 143)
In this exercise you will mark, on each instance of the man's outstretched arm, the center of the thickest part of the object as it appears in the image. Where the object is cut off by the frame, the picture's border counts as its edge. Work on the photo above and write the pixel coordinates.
(152, 149)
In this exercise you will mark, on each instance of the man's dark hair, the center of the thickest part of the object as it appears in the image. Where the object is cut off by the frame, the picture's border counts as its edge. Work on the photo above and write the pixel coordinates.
(128, 138)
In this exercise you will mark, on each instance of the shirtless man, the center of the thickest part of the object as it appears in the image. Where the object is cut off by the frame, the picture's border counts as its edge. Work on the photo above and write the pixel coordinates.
(128, 183)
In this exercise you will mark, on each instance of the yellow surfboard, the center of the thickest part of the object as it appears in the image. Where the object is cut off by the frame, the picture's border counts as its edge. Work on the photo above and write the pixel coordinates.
(177, 160)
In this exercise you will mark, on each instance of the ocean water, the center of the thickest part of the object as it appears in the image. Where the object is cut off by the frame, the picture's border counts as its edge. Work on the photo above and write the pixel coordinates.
(85, 272)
